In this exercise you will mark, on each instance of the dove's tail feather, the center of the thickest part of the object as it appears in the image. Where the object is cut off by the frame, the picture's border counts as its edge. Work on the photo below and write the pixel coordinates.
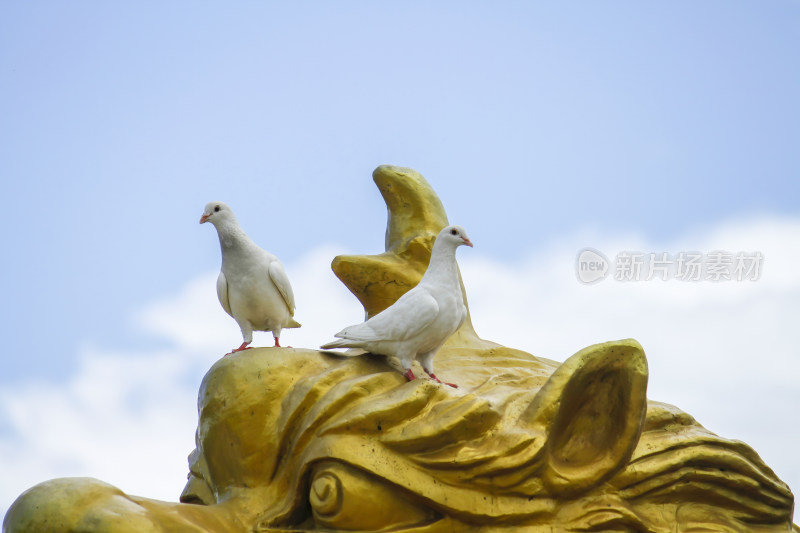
(293, 323)
(338, 343)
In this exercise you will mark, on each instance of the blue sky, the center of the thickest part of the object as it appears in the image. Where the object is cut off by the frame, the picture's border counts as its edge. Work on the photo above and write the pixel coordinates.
(616, 122)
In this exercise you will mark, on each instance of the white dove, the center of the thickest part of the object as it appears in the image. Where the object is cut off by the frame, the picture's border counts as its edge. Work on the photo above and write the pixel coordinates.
(421, 320)
(252, 286)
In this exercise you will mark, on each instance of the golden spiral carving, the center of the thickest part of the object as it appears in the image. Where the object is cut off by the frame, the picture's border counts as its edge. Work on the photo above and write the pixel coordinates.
(326, 494)
(346, 498)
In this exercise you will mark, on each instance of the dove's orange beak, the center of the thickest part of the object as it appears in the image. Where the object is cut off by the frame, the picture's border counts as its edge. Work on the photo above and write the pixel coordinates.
(467, 242)
(204, 218)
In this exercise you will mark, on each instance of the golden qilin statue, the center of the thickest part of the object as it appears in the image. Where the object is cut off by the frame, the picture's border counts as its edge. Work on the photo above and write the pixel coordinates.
(307, 440)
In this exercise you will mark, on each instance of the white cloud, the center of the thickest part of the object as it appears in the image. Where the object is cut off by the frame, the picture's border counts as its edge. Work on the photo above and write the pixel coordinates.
(129, 418)
(125, 418)
(724, 352)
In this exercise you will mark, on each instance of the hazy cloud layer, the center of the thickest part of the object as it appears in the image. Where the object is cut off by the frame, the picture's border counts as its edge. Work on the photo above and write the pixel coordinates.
(725, 352)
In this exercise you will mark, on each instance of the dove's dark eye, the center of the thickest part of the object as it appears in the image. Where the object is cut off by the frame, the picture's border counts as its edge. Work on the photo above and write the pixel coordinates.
(216, 209)
(453, 231)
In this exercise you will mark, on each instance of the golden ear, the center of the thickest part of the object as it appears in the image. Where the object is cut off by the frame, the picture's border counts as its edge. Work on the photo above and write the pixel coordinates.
(415, 217)
(413, 206)
(593, 409)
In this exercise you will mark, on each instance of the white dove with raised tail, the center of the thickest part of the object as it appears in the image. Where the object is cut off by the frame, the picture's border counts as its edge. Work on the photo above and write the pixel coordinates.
(421, 320)
(252, 285)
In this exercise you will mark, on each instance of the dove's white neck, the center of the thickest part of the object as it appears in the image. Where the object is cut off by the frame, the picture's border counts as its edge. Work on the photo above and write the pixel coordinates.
(231, 235)
(442, 270)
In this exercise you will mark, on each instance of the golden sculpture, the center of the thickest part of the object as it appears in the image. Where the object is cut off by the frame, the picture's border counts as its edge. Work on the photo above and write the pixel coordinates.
(302, 440)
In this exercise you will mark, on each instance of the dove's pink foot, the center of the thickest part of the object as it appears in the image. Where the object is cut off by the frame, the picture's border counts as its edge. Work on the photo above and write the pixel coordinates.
(244, 346)
(410, 375)
(437, 380)
(277, 344)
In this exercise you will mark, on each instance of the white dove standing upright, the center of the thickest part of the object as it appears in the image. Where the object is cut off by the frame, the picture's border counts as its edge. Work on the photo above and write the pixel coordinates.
(252, 285)
(421, 320)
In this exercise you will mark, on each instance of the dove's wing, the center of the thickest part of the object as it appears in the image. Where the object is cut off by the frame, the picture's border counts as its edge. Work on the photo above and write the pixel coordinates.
(222, 293)
(406, 318)
(278, 276)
